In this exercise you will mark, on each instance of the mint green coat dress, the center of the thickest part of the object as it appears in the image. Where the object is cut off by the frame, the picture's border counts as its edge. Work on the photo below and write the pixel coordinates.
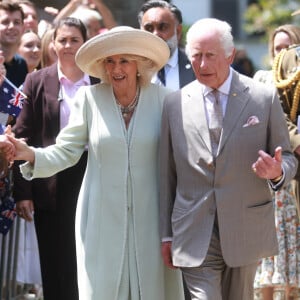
(117, 220)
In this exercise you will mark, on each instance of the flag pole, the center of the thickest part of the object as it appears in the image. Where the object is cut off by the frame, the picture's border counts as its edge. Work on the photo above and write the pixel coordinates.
(13, 86)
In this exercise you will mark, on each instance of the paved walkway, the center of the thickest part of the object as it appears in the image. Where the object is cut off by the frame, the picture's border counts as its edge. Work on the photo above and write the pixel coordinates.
(279, 294)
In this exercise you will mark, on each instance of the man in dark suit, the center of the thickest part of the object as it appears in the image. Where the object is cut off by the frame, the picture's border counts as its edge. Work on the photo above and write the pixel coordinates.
(165, 20)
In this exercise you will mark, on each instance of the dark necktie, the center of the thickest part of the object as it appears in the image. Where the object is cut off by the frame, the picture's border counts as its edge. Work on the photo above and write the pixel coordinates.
(162, 76)
(216, 120)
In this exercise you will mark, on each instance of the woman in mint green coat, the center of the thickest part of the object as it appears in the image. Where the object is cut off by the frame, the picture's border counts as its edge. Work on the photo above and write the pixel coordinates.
(117, 223)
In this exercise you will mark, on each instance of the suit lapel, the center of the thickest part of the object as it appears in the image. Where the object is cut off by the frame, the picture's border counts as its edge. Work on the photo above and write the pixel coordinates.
(195, 112)
(237, 100)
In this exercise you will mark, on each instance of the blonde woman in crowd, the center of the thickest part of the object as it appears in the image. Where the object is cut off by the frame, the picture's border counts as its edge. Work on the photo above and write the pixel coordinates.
(49, 56)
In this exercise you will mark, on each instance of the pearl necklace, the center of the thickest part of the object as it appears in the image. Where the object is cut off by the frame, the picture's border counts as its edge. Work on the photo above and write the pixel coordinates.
(127, 110)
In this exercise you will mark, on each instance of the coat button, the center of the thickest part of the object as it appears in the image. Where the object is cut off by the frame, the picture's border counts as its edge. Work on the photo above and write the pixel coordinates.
(210, 164)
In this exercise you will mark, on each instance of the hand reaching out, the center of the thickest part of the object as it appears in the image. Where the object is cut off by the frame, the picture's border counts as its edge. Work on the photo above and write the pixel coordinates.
(7, 154)
(268, 167)
(22, 150)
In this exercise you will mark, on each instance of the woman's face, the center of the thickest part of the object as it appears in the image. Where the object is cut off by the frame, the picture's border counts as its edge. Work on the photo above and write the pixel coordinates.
(30, 49)
(122, 72)
(281, 41)
(66, 43)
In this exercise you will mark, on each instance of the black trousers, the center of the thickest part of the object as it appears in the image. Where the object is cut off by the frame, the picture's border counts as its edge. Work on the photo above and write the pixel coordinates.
(56, 237)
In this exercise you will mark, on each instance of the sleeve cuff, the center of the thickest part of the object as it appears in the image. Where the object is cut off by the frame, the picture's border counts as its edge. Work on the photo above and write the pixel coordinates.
(27, 170)
(275, 186)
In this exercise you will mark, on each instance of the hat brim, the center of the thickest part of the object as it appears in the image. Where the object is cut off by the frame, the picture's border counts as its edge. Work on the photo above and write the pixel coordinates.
(121, 40)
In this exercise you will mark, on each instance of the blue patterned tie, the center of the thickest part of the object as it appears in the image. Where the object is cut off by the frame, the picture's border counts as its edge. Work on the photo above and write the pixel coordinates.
(162, 76)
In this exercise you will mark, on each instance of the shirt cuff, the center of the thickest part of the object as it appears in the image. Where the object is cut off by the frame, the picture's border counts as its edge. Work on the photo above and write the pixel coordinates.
(277, 185)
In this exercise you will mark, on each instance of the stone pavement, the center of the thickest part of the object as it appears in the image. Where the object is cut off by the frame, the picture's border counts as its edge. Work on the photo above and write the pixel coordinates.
(279, 294)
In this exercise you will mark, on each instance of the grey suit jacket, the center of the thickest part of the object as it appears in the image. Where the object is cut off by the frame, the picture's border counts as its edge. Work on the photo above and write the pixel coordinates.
(193, 187)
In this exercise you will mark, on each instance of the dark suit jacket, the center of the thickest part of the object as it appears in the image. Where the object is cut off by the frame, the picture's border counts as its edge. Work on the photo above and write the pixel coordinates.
(38, 122)
(186, 73)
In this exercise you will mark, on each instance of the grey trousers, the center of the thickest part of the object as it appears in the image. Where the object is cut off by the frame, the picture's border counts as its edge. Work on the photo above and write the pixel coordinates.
(214, 280)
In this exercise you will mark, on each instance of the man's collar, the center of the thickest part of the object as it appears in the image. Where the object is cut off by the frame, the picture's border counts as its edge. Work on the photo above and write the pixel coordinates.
(224, 88)
(173, 60)
(61, 76)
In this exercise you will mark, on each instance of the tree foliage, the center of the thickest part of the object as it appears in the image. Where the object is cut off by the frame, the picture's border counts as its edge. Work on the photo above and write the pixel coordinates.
(263, 16)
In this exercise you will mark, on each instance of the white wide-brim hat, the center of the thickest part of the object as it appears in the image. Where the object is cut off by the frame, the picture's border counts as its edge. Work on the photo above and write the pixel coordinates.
(121, 40)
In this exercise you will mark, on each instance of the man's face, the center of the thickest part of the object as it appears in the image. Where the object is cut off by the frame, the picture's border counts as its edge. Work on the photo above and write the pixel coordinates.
(31, 18)
(161, 22)
(11, 27)
(210, 62)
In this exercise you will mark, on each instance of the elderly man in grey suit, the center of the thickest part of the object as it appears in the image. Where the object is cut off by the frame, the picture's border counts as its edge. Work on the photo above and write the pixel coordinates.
(224, 143)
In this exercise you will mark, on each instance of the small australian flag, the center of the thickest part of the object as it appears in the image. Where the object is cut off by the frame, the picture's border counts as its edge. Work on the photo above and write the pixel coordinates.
(11, 100)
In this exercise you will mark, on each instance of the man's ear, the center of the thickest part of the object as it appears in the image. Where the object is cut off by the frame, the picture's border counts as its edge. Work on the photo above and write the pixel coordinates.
(231, 56)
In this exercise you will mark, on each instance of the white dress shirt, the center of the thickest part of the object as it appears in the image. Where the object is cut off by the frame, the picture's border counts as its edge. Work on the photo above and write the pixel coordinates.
(223, 96)
(67, 93)
(171, 73)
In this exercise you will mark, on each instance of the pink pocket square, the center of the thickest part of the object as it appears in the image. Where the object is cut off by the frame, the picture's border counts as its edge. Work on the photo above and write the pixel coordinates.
(253, 120)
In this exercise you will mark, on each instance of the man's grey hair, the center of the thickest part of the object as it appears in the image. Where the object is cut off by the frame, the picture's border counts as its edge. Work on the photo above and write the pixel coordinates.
(222, 29)
(86, 14)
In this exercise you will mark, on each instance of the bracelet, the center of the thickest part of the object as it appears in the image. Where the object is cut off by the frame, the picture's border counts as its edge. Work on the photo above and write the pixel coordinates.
(277, 179)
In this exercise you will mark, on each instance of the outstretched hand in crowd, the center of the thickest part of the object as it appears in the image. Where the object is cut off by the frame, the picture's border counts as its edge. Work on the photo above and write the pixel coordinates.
(22, 150)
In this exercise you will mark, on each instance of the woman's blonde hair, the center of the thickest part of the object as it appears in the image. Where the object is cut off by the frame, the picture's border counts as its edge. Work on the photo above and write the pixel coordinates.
(45, 41)
(145, 67)
(291, 30)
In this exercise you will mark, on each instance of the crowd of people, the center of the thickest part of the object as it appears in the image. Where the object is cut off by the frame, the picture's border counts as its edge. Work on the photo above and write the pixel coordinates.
(145, 168)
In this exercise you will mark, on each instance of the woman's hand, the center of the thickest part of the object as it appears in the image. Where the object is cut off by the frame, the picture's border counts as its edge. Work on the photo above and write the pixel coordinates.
(22, 150)
(25, 210)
